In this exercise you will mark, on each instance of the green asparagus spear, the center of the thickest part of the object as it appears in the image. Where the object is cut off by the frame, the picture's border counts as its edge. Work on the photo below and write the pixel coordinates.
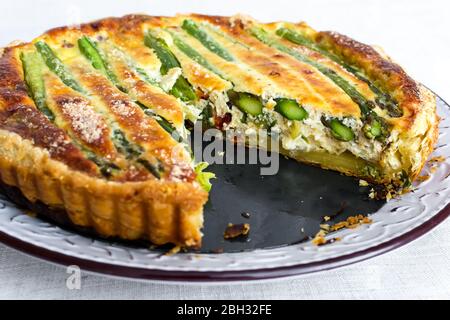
(133, 152)
(153, 169)
(194, 55)
(164, 123)
(116, 51)
(372, 131)
(339, 130)
(375, 128)
(201, 35)
(364, 104)
(107, 168)
(217, 31)
(207, 116)
(384, 100)
(99, 62)
(290, 109)
(32, 68)
(248, 103)
(182, 88)
(56, 65)
(167, 58)
(90, 50)
(298, 38)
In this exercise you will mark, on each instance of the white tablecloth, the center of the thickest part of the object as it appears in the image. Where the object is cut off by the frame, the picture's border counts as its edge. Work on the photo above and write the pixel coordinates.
(418, 270)
(415, 33)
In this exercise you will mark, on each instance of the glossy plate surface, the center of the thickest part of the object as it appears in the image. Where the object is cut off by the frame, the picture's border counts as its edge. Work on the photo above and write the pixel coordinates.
(284, 210)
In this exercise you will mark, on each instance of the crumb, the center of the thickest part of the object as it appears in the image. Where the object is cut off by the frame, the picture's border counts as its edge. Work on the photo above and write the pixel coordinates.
(366, 220)
(437, 159)
(389, 196)
(173, 251)
(236, 230)
(246, 215)
(319, 238)
(319, 241)
(351, 222)
(326, 218)
(363, 183)
(330, 241)
(386, 192)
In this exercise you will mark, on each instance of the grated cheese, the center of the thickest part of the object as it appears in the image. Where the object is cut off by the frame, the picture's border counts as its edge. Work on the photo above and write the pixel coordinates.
(123, 108)
(84, 119)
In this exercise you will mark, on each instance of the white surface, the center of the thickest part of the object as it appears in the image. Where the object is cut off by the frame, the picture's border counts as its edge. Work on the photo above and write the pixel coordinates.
(418, 270)
(415, 33)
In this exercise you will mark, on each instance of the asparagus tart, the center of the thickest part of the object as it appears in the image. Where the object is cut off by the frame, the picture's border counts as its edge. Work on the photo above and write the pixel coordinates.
(92, 117)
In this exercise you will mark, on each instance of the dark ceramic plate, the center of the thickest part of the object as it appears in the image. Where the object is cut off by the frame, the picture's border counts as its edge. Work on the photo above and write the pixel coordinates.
(284, 210)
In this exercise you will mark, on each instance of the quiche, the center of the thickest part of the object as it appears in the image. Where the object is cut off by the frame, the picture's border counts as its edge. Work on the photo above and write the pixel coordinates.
(94, 118)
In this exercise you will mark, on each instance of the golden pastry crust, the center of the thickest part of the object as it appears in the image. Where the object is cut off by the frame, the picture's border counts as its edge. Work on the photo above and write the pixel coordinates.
(40, 158)
(160, 211)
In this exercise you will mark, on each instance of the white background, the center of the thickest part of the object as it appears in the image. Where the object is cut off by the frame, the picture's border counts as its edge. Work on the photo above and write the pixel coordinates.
(415, 33)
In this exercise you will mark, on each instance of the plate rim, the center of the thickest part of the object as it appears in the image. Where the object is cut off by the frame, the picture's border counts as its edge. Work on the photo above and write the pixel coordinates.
(128, 272)
(299, 269)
